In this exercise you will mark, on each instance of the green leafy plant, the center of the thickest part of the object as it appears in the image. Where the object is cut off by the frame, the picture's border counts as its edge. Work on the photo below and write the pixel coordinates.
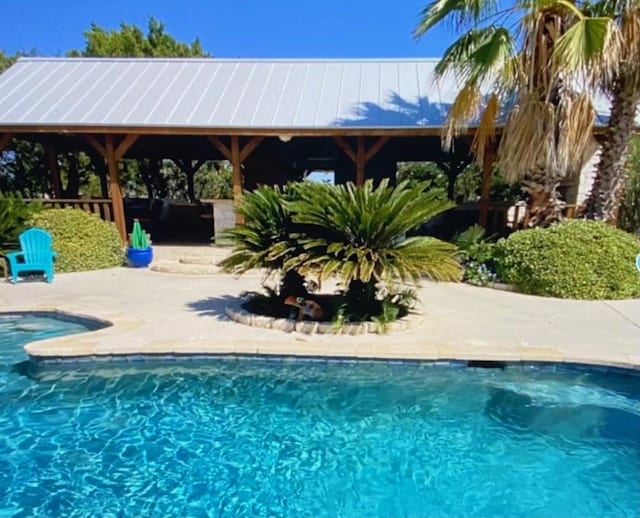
(139, 239)
(357, 235)
(476, 255)
(83, 241)
(14, 216)
(264, 240)
(576, 259)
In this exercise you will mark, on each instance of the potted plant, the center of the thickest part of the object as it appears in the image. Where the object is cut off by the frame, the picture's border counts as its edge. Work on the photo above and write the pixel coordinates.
(139, 251)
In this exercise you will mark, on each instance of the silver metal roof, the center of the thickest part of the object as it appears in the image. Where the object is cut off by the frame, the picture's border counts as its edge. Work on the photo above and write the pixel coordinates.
(218, 93)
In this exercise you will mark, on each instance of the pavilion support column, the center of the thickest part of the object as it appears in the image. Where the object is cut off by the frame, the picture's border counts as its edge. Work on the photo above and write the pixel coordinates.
(112, 152)
(360, 162)
(236, 155)
(361, 155)
(485, 194)
(236, 165)
(54, 171)
(115, 190)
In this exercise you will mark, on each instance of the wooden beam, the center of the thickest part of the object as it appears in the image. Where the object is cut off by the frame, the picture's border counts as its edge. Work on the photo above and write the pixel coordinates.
(360, 161)
(251, 145)
(124, 146)
(220, 146)
(236, 163)
(96, 145)
(115, 191)
(5, 139)
(346, 148)
(54, 170)
(344, 131)
(376, 147)
(485, 194)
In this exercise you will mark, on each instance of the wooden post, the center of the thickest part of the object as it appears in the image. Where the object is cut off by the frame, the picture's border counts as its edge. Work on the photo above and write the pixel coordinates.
(54, 170)
(487, 173)
(5, 139)
(236, 164)
(236, 156)
(360, 162)
(114, 187)
(361, 156)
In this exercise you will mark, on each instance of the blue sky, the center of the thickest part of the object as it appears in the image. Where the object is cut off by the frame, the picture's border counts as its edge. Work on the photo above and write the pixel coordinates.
(228, 28)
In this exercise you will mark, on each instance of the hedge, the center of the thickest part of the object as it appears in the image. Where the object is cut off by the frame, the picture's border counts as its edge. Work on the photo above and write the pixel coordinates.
(575, 259)
(83, 241)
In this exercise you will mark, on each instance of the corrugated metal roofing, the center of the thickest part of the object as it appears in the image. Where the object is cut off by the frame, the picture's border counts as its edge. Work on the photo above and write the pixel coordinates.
(217, 93)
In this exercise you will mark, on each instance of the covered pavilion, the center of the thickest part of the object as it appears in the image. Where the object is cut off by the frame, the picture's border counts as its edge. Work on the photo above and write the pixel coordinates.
(273, 120)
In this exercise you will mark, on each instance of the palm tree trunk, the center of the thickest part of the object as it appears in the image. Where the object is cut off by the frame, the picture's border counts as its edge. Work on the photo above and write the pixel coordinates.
(611, 174)
(544, 201)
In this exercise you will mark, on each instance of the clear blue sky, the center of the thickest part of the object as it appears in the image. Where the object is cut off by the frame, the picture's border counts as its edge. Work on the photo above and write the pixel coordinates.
(231, 28)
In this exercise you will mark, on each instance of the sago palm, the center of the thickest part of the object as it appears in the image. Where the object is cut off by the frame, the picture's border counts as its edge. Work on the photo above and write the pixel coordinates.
(264, 239)
(359, 234)
(507, 69)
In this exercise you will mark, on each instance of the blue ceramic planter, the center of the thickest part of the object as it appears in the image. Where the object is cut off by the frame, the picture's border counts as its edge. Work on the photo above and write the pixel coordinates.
(139, 257)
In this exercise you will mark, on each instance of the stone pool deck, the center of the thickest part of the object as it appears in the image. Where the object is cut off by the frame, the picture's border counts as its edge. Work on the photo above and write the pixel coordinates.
(156, 313)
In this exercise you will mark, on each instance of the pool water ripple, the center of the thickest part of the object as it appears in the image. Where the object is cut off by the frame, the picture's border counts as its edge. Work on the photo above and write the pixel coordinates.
(245, 438)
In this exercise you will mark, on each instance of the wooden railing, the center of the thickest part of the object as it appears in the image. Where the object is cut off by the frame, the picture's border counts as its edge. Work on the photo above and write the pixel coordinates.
(504, 218)
(101, 207)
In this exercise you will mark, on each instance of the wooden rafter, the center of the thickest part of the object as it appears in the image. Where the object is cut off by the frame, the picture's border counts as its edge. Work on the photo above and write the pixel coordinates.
(250, 147)
(95, 144)
(376, 147)
(220, 146)
(125, 145)
(346, 148)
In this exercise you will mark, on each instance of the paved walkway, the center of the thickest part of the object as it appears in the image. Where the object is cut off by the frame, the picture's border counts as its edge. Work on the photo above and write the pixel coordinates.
(164, 313)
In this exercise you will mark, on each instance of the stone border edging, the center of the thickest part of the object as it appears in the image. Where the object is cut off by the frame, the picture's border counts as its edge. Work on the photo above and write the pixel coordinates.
(242, 316)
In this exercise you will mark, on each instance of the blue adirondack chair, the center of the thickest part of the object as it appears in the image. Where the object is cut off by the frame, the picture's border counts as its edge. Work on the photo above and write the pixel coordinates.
(36, 254)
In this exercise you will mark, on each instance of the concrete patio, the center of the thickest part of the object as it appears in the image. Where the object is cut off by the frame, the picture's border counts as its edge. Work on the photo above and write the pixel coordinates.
(156, 313)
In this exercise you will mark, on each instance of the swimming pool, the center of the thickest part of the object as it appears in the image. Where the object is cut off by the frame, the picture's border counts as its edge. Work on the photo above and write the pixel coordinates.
(284, 438)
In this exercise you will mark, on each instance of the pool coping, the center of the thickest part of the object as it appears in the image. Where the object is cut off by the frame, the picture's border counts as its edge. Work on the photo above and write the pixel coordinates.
(153, 314)
(85, 347)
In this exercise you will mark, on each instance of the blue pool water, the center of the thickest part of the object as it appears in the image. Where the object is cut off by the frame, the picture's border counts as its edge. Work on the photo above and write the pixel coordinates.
(258, 438)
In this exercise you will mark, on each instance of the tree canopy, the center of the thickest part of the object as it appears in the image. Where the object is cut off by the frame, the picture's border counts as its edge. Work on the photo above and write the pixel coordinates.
(130, 41)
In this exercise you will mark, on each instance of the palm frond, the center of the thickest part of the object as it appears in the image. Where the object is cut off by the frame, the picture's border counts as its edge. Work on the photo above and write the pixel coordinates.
(458, 13)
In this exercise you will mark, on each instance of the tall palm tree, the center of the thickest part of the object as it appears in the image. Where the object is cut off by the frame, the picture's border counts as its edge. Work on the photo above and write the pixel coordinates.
(615, 70)
(508, 70)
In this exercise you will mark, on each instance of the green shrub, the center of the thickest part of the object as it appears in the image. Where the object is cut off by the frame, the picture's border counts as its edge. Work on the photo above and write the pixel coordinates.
(575, 259)
(83, 241)
(475, 253)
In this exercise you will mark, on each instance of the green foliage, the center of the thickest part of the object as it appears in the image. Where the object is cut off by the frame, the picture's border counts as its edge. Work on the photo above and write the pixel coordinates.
(476, 254)
(469, 185)
(130, 41)
(355, 234)
(214, 182)
(83, 241)
(360, 233)
(427, 173)
(630, 210)
(14, 215)
(265, 239)
(139, 239)
(575, 259)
